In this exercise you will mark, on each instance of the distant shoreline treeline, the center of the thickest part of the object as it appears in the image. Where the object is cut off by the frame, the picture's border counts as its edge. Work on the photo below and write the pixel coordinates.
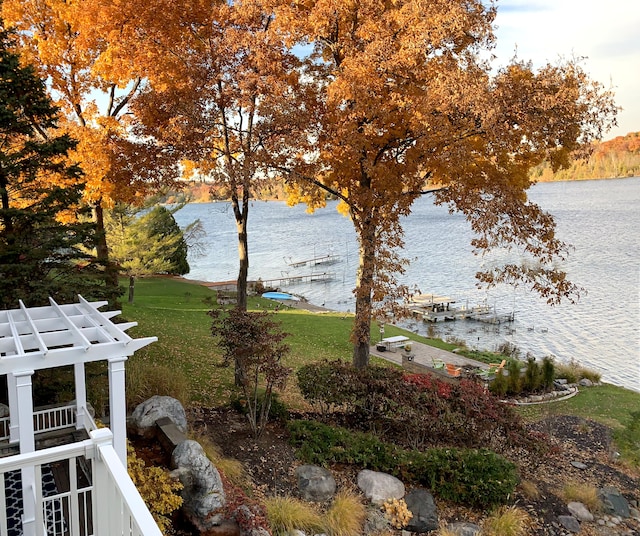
(613, 159)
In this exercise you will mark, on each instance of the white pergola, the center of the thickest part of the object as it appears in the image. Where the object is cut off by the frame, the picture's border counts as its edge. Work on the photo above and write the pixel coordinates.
(35, 338)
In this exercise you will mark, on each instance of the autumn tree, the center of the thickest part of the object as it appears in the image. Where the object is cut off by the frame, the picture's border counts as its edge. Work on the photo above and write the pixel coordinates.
(221, 79)
(79, 48)
(408, 94)
(43, 237)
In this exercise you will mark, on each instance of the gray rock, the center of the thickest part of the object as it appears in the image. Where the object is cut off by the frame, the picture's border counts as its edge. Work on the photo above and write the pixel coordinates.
(203, 496)
(634, 513)
(585, 382)
(315, 483)
(423, 509)
(464, 528)
(376, 522)
(578, 465)
(580, 511)
(614, 503)
(380, 487)
(144, 417)
(570, 523)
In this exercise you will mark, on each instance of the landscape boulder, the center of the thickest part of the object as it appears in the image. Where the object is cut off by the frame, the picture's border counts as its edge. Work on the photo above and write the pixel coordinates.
(613, 502)
(380, 487)
(423, 509)
(580, 511)
(144, 417)
(570, 523)
(203, 496)
(464, 528)
(315, 483)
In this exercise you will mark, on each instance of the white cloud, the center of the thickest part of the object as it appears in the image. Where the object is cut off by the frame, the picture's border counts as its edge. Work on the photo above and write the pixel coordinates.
(605, 33)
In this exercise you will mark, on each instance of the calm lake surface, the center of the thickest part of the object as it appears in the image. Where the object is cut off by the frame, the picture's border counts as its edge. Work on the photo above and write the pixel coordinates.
(601, 219)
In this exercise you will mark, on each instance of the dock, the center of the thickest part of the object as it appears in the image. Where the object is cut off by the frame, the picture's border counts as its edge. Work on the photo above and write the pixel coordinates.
(314, 261)
(287, 279)
(432, 308)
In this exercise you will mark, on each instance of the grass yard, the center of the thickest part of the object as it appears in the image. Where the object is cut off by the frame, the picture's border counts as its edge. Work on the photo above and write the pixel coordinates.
(176, 312)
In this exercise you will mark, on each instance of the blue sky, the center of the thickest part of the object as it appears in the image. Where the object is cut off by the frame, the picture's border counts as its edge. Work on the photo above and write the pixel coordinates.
(607, 33)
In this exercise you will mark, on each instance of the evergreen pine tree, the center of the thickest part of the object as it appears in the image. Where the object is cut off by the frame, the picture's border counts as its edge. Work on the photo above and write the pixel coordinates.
(45, 239)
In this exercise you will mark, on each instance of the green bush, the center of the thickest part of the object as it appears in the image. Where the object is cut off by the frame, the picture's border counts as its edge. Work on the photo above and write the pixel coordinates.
(479, 478)
(473, 477)
(532, 376)
(548, 372)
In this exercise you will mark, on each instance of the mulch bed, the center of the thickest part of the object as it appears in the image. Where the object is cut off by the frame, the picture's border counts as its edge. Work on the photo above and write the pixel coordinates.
(270, 462)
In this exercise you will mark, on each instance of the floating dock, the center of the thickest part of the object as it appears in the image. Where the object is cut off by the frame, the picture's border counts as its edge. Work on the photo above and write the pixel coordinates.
(287, 279)
(314, 261)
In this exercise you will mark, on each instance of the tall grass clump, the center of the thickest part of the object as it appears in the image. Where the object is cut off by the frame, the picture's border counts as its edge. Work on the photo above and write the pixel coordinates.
(345, 516)
(286, 514)
(506, 521)
(573, 372)
(584, 493)
(145, 380)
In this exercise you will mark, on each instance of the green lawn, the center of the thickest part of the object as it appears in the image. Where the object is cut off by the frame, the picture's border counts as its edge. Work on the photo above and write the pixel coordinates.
(176, 313)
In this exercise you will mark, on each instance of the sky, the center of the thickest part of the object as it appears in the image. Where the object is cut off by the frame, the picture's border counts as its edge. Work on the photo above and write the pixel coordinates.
(605, 33)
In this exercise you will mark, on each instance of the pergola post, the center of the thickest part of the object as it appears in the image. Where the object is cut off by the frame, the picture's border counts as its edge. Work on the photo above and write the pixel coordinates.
(14, 423)
(81, 395)
(118, 406)
(24, 399)
(24, 396)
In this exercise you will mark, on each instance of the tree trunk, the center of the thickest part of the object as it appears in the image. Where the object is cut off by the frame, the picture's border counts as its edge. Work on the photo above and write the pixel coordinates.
(4, 199)
(102, 251)
(364, 286)
(243, 257)
(132, 283)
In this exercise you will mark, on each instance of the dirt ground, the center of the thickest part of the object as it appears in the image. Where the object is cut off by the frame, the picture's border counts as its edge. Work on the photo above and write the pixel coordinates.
(270, 462)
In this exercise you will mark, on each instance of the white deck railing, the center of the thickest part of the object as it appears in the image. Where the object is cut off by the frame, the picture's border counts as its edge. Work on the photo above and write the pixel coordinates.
(97, 499)
(45, 420)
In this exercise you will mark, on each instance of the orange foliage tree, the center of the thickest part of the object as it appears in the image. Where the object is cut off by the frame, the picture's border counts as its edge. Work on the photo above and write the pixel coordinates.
(408, 95)
(221, 79)
(78, 47)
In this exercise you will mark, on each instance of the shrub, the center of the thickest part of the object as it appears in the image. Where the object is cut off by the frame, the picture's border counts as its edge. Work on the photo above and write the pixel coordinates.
(345, 516)
(478, 478)
(506, 521)
(499, 385)
(286, 514)
(413, 410)
(514, 380)
(157, 488)
(548, 372)
(253, 343)
(473, 477)
(532, 376)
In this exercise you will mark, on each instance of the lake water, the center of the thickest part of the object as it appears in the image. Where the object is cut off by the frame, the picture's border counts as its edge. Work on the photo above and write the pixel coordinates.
(601, 219)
